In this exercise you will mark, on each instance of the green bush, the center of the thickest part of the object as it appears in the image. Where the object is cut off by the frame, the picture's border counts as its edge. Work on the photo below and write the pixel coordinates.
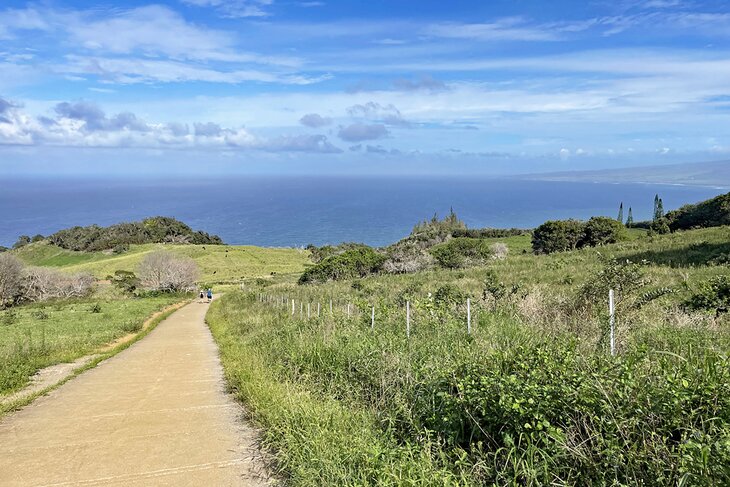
(461, 252)
(151, 230)
(660, 226)
(557, 236)
(357, 262)
(713, 295)
(601, 230)
(714, 212)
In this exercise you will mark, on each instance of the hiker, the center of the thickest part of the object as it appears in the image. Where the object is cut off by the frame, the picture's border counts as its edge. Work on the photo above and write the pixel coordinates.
(210, 295)
(202, 295)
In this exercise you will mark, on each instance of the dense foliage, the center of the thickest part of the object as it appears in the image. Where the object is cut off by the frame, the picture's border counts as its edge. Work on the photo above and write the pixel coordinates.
(357, 262)
(561, 235)
(557, 236)
(150, 230)
(461, 252)
(488, 232)
(714, 212)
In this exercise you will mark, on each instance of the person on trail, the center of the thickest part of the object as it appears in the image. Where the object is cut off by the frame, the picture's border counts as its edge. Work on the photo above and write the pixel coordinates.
(202, 295)
(210, 295)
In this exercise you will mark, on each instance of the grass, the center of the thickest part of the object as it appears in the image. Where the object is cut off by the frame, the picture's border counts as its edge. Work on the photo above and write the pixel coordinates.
(39, 335)
(532, 397)
(218, 263)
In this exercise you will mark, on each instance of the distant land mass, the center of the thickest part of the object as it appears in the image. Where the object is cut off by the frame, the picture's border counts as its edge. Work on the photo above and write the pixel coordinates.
(714, 174)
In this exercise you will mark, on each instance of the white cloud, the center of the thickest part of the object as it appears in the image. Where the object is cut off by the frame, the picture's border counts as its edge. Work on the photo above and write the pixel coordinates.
(235, 8)
(84, 124)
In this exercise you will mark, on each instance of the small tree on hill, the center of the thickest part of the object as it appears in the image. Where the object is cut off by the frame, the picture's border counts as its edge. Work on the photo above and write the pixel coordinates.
(557, 236)
(629, 219)
(601, 230)
(11, 274)
(621, 212)
(22, 241)
(164, 271)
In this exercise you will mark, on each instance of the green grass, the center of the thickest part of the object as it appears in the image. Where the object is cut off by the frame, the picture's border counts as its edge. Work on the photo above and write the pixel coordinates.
(35, 336)
(532, 397)
(218, 263)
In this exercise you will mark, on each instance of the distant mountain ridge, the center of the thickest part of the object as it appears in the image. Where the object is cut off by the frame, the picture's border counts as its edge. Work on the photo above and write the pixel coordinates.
(714, 174)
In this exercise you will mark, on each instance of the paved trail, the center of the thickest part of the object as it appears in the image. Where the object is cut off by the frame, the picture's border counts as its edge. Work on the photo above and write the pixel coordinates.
(155, 414)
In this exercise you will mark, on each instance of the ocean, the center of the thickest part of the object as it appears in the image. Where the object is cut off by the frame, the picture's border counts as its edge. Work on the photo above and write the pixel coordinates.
(295, 211)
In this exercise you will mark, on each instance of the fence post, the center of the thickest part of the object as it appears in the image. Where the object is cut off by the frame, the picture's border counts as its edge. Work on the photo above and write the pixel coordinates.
(292, 307)
(317, 310)
(372, 318)
(612, 321)
(468, 316)
(348, 310)
(408, 319)
(301, 309)
(309, 306)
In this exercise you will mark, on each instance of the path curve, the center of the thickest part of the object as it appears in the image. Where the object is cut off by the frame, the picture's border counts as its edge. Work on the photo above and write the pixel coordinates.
(155, 414)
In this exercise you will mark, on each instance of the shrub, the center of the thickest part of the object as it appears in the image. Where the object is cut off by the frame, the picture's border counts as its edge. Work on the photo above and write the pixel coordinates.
(461, 252)
(714, 212)
(150, 230)
(557, 236)
(166, 272)
(42, 284)
(357, 262)
(601, 230)
(126, 281)
(499, 250)
(659, 226)
(22, 241)
(488, 232)
(713, 295)
(11, 272)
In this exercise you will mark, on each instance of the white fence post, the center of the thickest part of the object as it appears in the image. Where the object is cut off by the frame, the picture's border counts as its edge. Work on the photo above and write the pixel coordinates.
(330, 305)
(309, 308)
(317, 310)
(292, 307)
(612, 321)
(372, 318)
(301, 309)
(468, 316)
(348, 310)
(408, 319)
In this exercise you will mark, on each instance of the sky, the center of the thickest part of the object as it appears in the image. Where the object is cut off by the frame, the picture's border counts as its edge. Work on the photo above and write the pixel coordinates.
(352, 87)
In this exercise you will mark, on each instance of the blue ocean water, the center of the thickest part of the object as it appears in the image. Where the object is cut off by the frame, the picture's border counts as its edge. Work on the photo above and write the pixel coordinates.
(294, 211)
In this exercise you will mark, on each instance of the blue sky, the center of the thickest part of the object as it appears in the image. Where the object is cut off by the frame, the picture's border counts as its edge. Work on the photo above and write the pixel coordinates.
(320, 87)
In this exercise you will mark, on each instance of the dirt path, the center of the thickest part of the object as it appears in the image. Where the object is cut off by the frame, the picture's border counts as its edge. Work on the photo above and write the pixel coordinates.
(156, 414)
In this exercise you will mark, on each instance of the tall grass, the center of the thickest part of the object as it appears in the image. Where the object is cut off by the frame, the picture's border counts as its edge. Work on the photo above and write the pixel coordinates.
(531, 397)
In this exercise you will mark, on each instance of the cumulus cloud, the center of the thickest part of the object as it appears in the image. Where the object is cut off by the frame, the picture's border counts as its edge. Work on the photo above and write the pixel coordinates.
(315, 120)
(85, 124)
(357, 132)
(386, 114)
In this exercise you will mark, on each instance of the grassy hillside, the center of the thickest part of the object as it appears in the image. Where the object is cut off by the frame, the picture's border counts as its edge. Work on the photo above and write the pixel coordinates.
(218, 263)
(531, 397)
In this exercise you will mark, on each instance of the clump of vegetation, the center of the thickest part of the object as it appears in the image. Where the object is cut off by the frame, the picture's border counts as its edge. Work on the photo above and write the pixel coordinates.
(557, 236)
(126, 281)
(489, 232)
(357, 262)
(714, 212)
(462, 252)
(562, 235)
(116, 237)
(19, 283)
(166, 272)
(713, 295)
(318, 254)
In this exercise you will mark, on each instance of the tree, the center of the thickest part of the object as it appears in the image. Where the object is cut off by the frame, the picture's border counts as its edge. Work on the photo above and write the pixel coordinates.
(601, 230)
(23, 240)
(557, 236)
(37, 238)
(629, 219)
(164, 271)
(658, 208)
(11, 275)
(621, 212)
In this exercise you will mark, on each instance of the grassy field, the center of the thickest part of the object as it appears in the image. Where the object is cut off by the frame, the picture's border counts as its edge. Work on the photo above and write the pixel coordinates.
(35, 336)
(531, 397)
(218, 263)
